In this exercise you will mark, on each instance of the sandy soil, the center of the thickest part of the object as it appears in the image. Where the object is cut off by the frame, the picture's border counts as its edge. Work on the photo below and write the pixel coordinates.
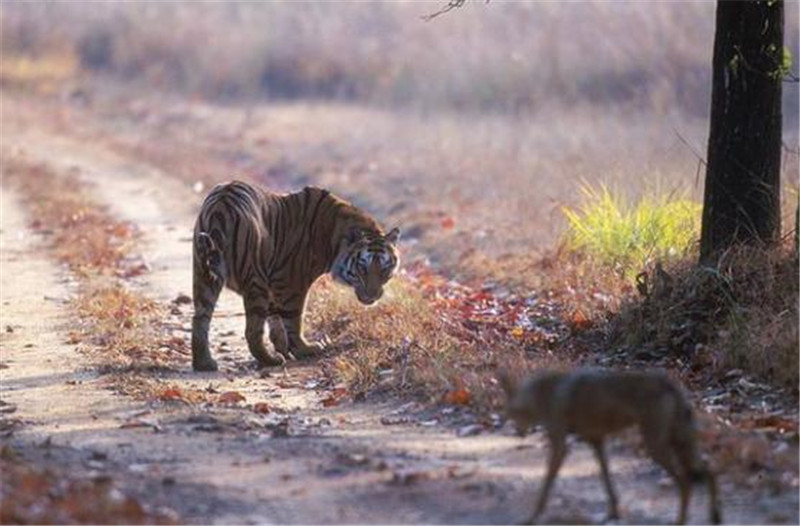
(369, 462)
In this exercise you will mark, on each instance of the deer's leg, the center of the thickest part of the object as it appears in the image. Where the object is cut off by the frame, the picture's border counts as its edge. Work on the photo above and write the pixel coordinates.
(600, 454)
(558, 451)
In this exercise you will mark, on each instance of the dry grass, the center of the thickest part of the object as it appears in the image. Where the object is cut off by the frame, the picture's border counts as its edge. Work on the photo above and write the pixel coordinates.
(45, 74)
(741, 313)
(414, 343)
(506, 56)
(604, 86)
(478, 190)
(83, 235)
(124, 324)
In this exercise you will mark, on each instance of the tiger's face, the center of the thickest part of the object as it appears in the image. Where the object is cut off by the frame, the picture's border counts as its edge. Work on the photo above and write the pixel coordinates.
(366, 261)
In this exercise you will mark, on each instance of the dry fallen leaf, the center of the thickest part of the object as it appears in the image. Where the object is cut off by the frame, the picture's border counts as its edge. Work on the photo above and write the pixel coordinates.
(231, 397)
(182, 299)
(579, 320)
(173, 393)
(335, 397)
(776, 422)
(176, 341)
(262, 408)
(134, 271)
(460, 396)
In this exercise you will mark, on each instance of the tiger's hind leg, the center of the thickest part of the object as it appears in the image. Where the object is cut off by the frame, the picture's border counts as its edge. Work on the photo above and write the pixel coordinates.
(256, 307)
(205, 293)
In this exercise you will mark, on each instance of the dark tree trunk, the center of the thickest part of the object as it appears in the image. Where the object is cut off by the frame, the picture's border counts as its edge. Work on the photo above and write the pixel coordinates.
(742, 192)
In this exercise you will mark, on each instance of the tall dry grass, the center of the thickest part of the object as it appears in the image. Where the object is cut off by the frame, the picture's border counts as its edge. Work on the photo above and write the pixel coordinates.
(508, 56)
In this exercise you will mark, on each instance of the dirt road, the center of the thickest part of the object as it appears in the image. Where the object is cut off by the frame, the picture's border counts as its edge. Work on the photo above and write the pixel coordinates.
(384, 461)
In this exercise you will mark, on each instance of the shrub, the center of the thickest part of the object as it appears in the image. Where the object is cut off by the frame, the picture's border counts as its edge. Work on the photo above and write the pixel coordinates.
(739, 314)
(628, 237)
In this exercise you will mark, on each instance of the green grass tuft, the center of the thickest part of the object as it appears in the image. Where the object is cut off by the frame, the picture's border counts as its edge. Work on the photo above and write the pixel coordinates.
(628, 237)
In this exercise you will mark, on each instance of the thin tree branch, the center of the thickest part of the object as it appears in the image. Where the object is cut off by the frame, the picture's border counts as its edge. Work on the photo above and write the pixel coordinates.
(790, 77)
(451, 4)
(700, 160)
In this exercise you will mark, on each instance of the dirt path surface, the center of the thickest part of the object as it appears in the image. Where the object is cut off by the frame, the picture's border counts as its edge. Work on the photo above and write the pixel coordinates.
(303, 462)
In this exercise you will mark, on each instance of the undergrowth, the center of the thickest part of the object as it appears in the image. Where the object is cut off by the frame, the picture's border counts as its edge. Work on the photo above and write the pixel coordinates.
(741, 313)
(84, 236)
(408, 344)
(627, 237)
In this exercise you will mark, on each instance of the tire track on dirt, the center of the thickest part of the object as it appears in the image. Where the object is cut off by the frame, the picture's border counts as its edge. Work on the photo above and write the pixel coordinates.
(68, 420)
(43, 370)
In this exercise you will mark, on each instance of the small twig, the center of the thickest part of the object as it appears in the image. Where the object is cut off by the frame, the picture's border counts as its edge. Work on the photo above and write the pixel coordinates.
(700, 160)
(788, 150)
(451, 4)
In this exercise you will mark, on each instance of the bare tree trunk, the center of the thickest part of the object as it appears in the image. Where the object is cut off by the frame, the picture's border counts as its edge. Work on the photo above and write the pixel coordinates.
(742, 191)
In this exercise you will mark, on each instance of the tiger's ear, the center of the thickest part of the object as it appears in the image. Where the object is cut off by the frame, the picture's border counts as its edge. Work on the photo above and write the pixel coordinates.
(393, 236)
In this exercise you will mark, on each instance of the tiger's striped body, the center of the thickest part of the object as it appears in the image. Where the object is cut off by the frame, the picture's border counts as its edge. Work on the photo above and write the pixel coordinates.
(270, 248)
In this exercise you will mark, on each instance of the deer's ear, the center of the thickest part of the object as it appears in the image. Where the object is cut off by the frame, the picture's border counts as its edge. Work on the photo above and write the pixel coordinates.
(393, 236)
(506, 382)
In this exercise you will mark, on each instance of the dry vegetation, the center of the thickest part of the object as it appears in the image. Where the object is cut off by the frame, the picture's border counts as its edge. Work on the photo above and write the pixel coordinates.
(119, 327)
(534, 97)
(504, 56)
(739, 314)
(434, 339)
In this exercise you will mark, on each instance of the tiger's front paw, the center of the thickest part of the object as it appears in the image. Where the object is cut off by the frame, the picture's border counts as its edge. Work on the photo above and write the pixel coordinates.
(271, 360)
(308, 349)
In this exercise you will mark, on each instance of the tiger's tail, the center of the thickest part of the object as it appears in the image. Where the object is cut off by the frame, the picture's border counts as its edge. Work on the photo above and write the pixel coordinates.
(210, 257)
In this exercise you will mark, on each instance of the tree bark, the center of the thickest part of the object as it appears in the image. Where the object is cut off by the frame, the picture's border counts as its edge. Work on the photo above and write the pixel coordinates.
(742, 190)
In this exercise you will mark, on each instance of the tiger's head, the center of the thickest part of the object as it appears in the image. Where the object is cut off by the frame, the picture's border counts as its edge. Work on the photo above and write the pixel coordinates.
(366, 261)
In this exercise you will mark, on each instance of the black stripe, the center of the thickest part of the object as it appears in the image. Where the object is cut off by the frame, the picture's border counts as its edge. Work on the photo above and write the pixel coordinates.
(246, 253)
(313, 220)
(235, 243)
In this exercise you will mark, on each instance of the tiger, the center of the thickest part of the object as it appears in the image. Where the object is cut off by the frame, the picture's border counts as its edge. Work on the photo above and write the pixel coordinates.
(270, 248)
